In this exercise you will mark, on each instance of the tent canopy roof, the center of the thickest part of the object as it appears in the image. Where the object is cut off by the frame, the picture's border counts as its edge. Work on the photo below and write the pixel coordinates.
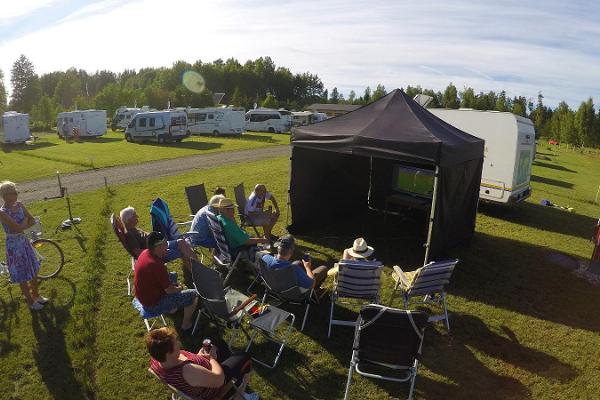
(396, 127)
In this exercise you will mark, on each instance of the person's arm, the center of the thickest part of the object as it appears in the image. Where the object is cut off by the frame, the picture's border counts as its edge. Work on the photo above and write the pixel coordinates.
(307, 267)
(275, 204)
(163, 280)
(198, 376)
(12, 224)
(173, 289)
(29, 221)
(255, 241)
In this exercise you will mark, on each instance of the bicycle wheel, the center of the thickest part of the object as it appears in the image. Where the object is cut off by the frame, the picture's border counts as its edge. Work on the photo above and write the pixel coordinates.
(51, 257)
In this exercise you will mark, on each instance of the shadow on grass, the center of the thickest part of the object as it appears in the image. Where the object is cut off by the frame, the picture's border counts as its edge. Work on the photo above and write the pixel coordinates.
(553, 166)
(189, 144)
(257, 138)
(543, 218)
(8, 148)
(550, 181)
(520, 277)
(8, 318)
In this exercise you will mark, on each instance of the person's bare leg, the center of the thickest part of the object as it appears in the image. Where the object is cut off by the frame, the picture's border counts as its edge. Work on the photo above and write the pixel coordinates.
(33, 285)
(188, 312)
(25, 290)
(242, 387)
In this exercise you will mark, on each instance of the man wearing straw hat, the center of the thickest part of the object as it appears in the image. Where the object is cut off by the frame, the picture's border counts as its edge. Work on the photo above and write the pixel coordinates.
(236, 237)
(360, 251)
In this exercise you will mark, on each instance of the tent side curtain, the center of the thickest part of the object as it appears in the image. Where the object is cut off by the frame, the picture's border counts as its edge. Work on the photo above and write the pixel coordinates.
(456, 209)
(325, 187)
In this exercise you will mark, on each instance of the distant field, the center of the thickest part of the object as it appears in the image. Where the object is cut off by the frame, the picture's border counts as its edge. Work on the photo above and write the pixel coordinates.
(523, 325)
(49, 154)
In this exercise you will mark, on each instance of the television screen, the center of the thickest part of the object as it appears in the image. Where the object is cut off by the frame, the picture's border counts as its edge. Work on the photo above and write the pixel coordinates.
(415, 181)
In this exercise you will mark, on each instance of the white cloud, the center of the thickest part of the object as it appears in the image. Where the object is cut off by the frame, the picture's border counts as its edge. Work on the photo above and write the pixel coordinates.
(12, 9)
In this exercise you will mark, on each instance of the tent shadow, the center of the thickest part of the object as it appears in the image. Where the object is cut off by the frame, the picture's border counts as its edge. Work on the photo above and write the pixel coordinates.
(543, 218)
(8, 148)
(518, 276)
(553, 182)
(553, 166)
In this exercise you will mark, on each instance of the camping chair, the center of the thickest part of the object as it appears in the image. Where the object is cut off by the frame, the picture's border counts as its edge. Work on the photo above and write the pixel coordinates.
(240, 199)
(282, 285)
(147, 316)
(177, 394)
(196, 198)
(119, 230)
(218, 303)
(162, 221)
(222, 256)
(355, 280)
(267, 324)
(426, 281)
(387, 339)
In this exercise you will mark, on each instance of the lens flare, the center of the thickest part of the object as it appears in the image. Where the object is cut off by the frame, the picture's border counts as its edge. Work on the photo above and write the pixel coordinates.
(193, 81)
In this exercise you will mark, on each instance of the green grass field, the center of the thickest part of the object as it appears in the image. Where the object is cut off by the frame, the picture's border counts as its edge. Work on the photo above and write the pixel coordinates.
(49, 154)
(523, 325)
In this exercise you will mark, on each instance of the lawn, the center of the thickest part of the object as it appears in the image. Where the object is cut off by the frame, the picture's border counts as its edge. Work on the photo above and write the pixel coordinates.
(49, 154)
(523, 325)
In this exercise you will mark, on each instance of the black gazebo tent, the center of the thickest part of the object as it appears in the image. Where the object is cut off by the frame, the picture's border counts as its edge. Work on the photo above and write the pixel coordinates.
(344, 165)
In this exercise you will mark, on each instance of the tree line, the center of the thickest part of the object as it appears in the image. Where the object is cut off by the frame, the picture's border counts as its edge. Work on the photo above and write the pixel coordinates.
(259, 82)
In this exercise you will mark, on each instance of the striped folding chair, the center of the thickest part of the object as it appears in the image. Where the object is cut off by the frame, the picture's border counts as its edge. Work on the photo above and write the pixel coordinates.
(429, 281)
(356, 282)
(222, 257)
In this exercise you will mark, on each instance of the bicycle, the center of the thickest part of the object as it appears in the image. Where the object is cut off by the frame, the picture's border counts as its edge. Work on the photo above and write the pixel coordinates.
(48, 252)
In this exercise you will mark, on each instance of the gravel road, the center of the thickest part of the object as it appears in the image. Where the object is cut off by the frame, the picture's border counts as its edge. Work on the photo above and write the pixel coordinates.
(89, 180)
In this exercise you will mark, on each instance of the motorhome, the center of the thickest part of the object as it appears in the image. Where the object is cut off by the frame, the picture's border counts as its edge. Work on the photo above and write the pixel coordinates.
(300, 118)
(14, 127)
(268, 120)
(509, 151)
(90, 123)
(123, 116)
(162, 126)
(216, 121)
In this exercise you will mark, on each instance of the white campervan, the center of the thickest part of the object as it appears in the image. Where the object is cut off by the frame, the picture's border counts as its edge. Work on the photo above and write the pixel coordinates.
(509, 150)
(268, 120)
(91, 123)
(216, 121)
(162, 126)
(14, 127)
(124, 115)
(300, 118)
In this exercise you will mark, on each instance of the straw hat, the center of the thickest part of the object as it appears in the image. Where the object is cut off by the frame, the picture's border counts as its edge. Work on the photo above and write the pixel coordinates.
(360, 249)
(214, 201)
(225, 203)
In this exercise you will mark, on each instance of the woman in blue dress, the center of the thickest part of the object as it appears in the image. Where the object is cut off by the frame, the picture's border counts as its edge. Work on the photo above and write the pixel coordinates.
(22, 263)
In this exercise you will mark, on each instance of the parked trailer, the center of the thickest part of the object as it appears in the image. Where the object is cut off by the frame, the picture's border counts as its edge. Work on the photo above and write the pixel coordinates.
(14, 127)
(216, 121)
(268, 120)
(162, 126)
(509, 151)
(90, 123)
(300, 118)
(124, 115)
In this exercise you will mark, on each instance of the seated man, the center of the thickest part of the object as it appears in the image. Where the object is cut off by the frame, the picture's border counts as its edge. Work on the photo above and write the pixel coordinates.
(236, 237)
(203, 375)
(359, 251)
(202, 236)
(137, 238)
(256, 213)
(153, 286)
(307, 277)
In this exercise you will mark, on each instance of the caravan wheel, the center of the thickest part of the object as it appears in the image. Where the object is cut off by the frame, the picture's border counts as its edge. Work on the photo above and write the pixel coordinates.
(128, 138)
(161, 139)
(271, 130)
(216, 132)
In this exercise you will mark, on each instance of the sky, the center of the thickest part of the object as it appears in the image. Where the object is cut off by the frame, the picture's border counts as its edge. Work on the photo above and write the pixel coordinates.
(522, 47)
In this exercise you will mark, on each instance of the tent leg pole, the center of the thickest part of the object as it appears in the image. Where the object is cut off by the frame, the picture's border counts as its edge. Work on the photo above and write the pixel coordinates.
(432, 213)
(287, 208)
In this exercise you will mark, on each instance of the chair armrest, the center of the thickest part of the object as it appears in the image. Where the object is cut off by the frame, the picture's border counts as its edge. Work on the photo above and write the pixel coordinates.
(243, 305)
(401, 276)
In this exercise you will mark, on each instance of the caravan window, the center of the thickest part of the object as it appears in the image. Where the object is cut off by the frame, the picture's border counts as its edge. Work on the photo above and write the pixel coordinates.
(211, 116)
(178, 120)
(142, 122)
(151, 122)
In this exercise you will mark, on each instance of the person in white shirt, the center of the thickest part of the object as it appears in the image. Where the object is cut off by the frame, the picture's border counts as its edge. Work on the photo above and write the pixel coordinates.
(255, 209)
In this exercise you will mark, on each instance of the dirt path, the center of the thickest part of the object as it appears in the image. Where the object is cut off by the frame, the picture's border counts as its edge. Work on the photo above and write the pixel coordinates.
(94, 179)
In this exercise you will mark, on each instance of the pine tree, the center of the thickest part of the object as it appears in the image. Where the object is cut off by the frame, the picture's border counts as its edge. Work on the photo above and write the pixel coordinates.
(2, 94)
(584, 123)
(270, 101)
(44, 112)
(351, 97)
(25, 84)
(367, 96)
(335, 96)
(379, 92)
(237, 99)
(450, 97)
(467, 98)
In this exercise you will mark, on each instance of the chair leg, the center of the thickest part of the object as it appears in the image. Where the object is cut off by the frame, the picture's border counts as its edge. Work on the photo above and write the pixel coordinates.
(233, 335)
(196, 323)
(412, 380)
(148, 327)
(162, 317)
(330, 316)
(405, 299)
(443, 297)
(350, 372)
(128, 286)
(305, 317)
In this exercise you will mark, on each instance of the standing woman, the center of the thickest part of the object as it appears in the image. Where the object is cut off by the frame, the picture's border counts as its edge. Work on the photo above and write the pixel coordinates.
(22, 263)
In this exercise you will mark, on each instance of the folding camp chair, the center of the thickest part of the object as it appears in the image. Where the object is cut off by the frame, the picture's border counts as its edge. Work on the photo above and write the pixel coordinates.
(267, 323)
(428, 281)
(119, 230)
(147, 316)
(282, 285)
(355, 281)
(387, 339)
(163, 222)
(177, 394)
(218, 303)
(240, 199)
(196, 198)
(222, 257)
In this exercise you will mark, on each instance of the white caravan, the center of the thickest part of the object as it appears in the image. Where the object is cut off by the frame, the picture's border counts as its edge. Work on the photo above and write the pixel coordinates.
(123, 116)
(162, 126)
(91, 123)
(509, 151)
(268, 120)
(300, 118)
(216, 121)
(14, 127)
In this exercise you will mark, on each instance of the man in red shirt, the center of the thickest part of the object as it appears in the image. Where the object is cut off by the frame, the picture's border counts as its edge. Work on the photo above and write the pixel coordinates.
(155, 289)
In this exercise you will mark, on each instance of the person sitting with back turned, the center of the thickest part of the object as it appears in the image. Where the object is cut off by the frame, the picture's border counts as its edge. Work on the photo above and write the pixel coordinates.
(236, 237)
(204, 375)
(155, 289)
(307, 276)
(200, 234)
(255, 209)
(359, 251)
(137, 238)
